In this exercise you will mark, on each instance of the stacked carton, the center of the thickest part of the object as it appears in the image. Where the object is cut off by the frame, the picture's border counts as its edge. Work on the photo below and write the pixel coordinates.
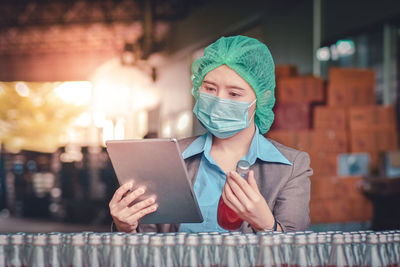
(344, 119)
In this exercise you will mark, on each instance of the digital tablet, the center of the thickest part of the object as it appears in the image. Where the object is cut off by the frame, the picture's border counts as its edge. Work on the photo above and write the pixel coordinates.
(158, 165)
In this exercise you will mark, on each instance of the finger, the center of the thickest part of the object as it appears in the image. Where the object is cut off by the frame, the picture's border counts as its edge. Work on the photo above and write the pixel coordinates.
(132, 196)
(230, 196)
(246, 188)
(121, 191)
(237, 190)
(228, 203)
(140, 205)
(137, 216)
(252, 181)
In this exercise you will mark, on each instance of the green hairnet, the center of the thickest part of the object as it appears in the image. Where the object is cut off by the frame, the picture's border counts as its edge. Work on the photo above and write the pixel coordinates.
(252, 60)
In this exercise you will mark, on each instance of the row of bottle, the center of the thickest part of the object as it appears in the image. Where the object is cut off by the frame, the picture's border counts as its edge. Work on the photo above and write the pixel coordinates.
(364, 248)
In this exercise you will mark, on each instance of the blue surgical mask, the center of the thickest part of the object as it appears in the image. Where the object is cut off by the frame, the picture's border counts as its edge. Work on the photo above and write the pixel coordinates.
(222, 117)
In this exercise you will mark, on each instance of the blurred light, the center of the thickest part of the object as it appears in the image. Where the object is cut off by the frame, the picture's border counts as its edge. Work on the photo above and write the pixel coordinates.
(119, 131)
(183, 121)
(334, 52)
(167, 130)
(22, 89)
(143, 123)
(40, 117)
(12, 114)
(99, 119)
(83, 120)
(345, 47)
(55, 192)
(54, 207)
(72, 153)
(108, 131)
(119, 89)
(1, 90)
(323, 54)
(78, 93)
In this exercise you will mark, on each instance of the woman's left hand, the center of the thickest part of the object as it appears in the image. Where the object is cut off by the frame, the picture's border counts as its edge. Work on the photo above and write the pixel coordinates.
(245, 199)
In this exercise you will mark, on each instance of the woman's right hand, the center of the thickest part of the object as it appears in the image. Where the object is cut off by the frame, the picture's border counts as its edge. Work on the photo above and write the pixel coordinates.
(125, 216)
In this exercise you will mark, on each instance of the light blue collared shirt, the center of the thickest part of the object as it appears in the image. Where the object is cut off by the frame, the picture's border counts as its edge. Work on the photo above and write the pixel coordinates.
(211, 178)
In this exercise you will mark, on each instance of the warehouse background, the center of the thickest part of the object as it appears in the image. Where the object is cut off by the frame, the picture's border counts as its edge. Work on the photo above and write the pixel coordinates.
(76, 73)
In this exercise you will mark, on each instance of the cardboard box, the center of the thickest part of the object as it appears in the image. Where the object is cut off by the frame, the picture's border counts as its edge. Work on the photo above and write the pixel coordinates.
(329, 118)
(329, 141)
(372, 118)
(358, 75)
(323, 187)
(344, 94)
(349, 87)
(284, 71)
(349, 187)
(323, 163)
(285, 137)
(300, 89)
(312, 140)
(373, 140)
(292, 116)
(319, 212)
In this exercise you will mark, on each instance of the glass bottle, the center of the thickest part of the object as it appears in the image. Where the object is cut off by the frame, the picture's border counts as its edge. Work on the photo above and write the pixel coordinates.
(132, 251)
(28, 247)
(226, 217)
(180, 247)
(16, 257)
(106, 247)
(3, 249)
(191, 257)
(155, 257)
(337, 256)
(217, 248)
(265, 256)
(363, 242)
(348, 250)
(54, 256)
(382, 247)
(396, 247)
(287, 248)
(205, 252)
(357, 248)
(77, 258)
(170, 258)
(229, 256)
(38, 258)
(299, 255)
(241, 251)
(372, 256)
(277, 249)
(322, 249)
(116, 252)
(94, 255)
(390, 250)
(144, 247)
(312, 251)
(252, 248)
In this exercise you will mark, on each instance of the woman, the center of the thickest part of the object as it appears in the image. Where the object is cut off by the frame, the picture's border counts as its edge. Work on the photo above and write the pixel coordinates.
(233, 84)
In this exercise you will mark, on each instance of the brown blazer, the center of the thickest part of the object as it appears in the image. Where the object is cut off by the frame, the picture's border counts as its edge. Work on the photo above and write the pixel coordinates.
(286, 188)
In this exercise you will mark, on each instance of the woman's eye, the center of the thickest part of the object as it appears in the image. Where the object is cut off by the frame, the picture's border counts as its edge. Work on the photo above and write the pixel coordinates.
(210, 89)
(234, 94)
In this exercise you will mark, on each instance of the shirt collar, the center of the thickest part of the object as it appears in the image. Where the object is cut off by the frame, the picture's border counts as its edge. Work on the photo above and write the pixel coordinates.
(260, 147)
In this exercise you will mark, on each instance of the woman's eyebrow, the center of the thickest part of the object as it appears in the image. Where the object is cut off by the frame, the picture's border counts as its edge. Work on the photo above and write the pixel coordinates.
(213, 83)
(235, 87)
(229, 86)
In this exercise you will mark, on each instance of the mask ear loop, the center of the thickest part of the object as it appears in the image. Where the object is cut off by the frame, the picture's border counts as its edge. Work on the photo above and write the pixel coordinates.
(254, 113)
